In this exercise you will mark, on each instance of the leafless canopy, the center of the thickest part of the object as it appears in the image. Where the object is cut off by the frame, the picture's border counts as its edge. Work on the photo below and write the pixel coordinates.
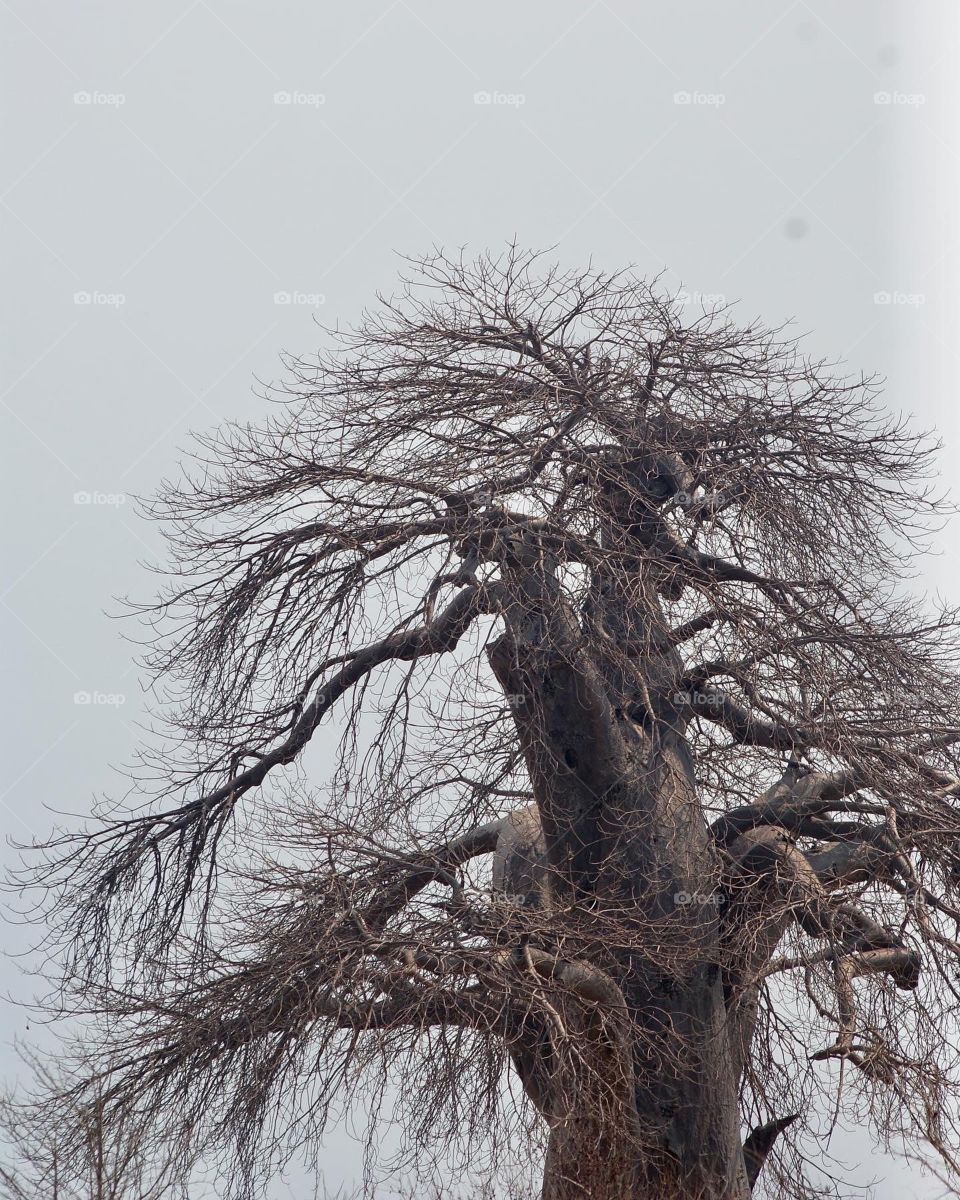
(564, 575)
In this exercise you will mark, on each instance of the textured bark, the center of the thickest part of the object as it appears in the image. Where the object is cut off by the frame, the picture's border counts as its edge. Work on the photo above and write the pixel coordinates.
(677, 1133)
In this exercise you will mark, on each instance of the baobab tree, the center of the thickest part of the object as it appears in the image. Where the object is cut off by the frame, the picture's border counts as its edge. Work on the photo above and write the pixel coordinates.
(640, 833)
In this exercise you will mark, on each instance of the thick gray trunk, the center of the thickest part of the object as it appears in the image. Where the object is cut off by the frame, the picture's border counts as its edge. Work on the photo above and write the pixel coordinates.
(677, 1133)
(616, 827)
(580, 1164)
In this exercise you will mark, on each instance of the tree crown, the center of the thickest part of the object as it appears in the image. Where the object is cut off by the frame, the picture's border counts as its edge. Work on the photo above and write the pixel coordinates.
(518, 536)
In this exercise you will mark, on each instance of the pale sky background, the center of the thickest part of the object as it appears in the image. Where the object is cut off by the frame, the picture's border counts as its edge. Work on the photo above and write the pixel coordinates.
(149, 168)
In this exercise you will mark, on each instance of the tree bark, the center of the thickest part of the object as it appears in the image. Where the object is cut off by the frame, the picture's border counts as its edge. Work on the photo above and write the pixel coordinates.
(647, 1104)
(651, 1113)
(616, 822)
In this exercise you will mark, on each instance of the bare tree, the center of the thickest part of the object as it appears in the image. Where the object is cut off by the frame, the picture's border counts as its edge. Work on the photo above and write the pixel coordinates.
(615, 596)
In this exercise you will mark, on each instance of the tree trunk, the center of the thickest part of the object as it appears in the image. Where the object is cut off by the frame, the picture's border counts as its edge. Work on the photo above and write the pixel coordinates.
(677, 1135)
(652, 1114)
(617, 826)
(584, 1162)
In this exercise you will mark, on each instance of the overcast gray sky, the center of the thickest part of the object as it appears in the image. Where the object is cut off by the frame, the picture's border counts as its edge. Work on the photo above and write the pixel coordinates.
(184, 186)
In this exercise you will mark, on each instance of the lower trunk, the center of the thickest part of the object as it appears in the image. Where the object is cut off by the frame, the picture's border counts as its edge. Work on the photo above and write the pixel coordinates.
(645, 1108)
(653, 1115)
(678, 1139)
(582, 1166)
